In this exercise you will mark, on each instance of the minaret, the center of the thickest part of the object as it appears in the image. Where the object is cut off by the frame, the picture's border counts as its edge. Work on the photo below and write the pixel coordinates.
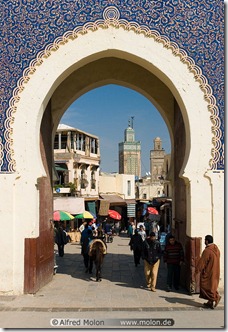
(130, 152)
(157, 156)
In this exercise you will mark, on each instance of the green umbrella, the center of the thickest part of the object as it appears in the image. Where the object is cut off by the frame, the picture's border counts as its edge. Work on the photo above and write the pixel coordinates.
(84, 215)
(62, 215)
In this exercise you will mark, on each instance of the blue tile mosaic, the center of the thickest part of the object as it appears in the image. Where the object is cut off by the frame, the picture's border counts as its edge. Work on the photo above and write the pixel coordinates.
(29, 27)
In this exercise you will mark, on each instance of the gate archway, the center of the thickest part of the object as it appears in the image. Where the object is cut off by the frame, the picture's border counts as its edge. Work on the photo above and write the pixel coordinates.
(111, 50)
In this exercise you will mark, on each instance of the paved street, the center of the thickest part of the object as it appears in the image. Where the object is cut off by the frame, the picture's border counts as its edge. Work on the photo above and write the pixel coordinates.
(73, 295)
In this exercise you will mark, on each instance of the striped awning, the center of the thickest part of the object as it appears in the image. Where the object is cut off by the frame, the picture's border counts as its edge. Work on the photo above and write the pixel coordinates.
(131, 210)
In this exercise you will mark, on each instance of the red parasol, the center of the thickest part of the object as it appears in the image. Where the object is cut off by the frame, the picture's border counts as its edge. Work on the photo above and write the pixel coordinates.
(114, 214)
(152, 210)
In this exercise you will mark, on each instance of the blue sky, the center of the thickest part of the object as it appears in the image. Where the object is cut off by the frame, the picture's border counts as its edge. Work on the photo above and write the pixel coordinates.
(105, 112)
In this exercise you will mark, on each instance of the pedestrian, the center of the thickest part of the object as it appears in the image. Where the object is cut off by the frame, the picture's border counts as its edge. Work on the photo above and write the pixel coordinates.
(147, 225)
(174, 257)
(85, 231)
(131, 229)
(156, 229)
(136, 246)
(151, 254)
(61, 238)
(117, 227)
(209, 268)
(104, 222)
(85, 245)
(55, 226)
(142, 232)
(108, 231)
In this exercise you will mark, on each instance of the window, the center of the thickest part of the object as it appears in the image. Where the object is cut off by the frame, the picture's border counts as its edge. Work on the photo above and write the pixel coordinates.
(93, 145)
(63, 141)
(93, 180)
(129, 188)
(83, 179)
(80, 142)
(56, 142)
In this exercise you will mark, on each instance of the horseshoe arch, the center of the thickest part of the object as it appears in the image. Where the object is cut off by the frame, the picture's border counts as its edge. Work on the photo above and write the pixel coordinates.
(40, 96)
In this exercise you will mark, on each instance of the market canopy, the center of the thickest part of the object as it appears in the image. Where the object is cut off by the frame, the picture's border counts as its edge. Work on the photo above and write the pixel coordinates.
(73, 205)
(114, 199)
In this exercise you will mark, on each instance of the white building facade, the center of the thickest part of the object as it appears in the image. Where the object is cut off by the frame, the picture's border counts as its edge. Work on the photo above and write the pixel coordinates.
(122, 185)
(79, 152)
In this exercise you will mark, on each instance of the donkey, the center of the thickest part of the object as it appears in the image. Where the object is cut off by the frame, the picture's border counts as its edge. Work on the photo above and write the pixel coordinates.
(97, 252)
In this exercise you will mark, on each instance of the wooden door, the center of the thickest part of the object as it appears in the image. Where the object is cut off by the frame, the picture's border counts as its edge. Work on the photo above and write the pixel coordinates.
(192, 255)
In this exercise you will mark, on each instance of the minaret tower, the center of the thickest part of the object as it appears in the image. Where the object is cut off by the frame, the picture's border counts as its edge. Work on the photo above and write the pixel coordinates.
(130, 152)
(157, 156)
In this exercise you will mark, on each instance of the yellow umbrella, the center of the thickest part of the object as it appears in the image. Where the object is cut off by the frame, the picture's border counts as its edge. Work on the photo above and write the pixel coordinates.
(62, 215)
(84, 215)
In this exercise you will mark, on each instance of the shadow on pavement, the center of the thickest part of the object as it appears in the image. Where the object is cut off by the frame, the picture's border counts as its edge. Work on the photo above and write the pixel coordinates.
(118, 268)
(176, 300)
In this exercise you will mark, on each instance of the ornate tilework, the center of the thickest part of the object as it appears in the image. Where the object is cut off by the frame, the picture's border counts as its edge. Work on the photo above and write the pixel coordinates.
(31, 29)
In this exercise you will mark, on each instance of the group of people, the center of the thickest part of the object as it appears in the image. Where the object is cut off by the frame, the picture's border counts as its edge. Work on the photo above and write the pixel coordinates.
(104, 228)
(147, 227)
(149, 249)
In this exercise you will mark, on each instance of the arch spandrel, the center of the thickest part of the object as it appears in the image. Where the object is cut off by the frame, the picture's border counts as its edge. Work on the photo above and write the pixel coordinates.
(121, 17)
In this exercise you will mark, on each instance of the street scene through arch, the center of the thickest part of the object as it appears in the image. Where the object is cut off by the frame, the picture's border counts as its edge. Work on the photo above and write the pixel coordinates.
(104, 112)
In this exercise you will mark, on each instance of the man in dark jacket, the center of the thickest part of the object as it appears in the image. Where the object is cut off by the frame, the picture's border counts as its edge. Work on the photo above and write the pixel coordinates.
(136, 245)
(61, 238)
(85, 243)
(174, 257)
(151, 253)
